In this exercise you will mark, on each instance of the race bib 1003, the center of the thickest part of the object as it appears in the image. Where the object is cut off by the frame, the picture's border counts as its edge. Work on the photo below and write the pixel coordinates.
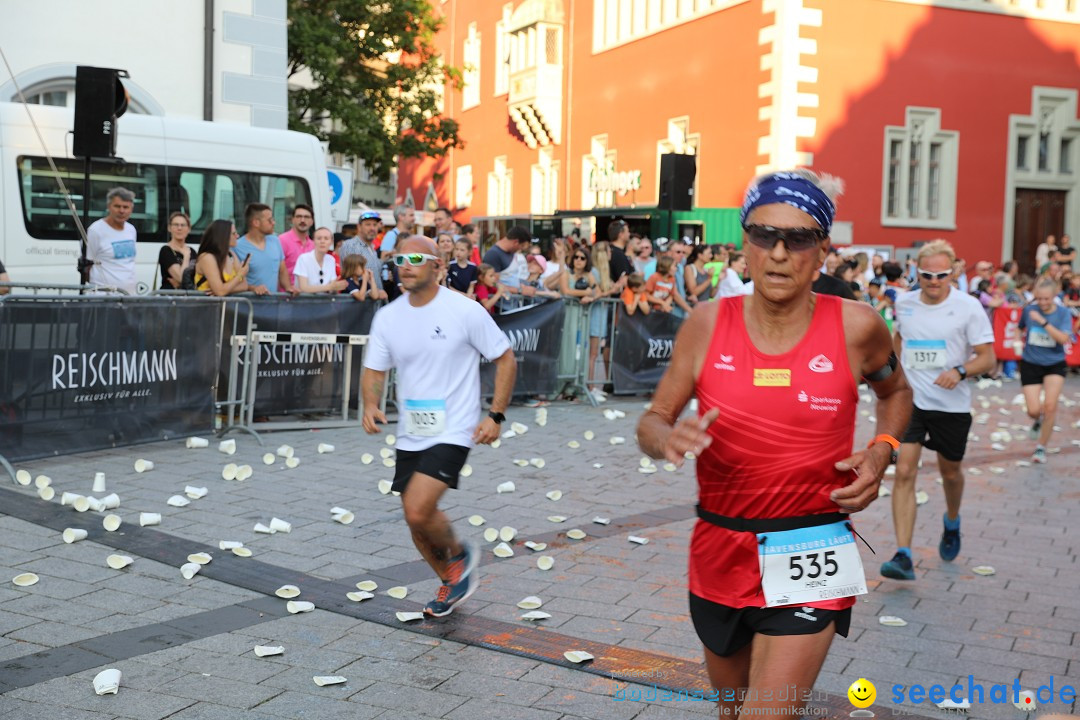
(426, 418)
(810, 565)
(924, 354)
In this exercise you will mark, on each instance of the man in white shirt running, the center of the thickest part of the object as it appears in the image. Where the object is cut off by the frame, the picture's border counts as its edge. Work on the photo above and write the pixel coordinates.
(110, 243)
(435, 338)
(942, 336)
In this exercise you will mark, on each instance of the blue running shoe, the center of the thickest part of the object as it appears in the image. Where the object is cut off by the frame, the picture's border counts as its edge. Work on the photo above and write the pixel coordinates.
(899, 568)
(460, 582)
(949, 547)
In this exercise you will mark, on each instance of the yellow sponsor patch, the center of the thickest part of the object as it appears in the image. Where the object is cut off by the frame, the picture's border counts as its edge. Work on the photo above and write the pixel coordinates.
(772, 377)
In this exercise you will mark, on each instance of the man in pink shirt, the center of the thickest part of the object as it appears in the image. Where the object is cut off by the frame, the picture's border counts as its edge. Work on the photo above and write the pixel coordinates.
(297, 241)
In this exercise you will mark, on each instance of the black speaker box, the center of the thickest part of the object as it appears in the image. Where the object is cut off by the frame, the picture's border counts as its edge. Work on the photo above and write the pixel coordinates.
(677, 182)
(100, 98)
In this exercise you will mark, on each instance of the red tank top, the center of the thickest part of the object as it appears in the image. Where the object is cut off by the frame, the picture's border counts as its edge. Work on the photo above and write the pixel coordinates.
(784, 421)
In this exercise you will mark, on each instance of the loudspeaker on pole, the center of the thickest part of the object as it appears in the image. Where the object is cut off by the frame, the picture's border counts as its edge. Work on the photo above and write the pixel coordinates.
(677, 173)
(100, 98)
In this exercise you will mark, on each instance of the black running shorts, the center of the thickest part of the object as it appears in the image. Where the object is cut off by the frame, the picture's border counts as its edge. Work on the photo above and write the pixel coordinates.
(442, 462)
(944, 432)
(1032, 374)
(726, 630)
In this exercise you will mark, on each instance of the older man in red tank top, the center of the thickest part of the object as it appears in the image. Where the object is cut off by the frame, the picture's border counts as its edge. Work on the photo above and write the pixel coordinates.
(774, 569)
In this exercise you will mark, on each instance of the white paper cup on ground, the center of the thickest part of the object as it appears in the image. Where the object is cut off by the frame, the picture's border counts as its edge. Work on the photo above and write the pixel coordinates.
(110, 501)
(260, 528)
(229, 544)
(292, 462)
(23, 477)
(285, 451)
(196, 442)
(178, 501)
(118, 562)
(190, 570)
(142, 465)
(107, 682)
(74, 535)
(244, 472)
(322, 680)
(111, 522)
(325, 448)
(287, 592)
(195, 493)
(506, 487)
(81, 503)
(227, 446)
(299, 606)
(146, 519)
(229, 471)
(44, 481)
(345, 518)
(25, 580)
(267, 650)
(69, 498)
(268, 459)
(278, 525)
(95, 504)
(200, 558)
(46, 493)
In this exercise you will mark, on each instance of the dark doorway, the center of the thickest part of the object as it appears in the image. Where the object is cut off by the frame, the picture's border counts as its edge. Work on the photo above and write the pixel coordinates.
(1038, 213)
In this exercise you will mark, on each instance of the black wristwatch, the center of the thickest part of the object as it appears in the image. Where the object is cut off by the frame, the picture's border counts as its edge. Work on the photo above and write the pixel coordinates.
(963, 373)
(499, 418)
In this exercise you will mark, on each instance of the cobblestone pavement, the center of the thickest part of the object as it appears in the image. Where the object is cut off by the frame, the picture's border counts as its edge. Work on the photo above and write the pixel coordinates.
(185, 647)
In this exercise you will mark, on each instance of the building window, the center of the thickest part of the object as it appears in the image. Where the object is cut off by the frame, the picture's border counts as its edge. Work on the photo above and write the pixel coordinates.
(1066, 156)
(919, 172)
(471, 75)
(502, 52)
(1022, 143)
(616, 22)
(463, 189)
(545, 184)
(500, 189)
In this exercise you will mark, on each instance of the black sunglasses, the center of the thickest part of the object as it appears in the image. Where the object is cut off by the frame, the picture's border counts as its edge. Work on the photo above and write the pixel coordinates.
(927, 275)
(795, 239)
(581, 257)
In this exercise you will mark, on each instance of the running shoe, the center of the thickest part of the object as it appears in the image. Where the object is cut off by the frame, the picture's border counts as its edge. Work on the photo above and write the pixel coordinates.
(1036, 427)
(949, 547)
(1039, 456)
(463, 568)
(899, 568)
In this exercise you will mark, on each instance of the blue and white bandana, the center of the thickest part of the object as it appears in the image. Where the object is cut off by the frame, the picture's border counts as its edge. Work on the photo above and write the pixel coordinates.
(794, 190)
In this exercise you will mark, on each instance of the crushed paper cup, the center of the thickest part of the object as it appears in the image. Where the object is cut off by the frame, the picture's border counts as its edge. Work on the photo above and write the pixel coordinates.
(950, 704)
(359, 596)
(398, 593)
(229, 471)
(610, 414)
(118, 562)
(648, 470)
(268, 650)
(23, 477)
(892, 621)
(367, 585)
(287, 592)
(196, 442)
(110, 501)
(466, 470)
(195, 493)
(983, 570)
(509, 434)
(260, 528)
(573, 444)
(545, 562)
(285, 451)
(670, 466)
(107, 682)
(200, 558)
(324, 448)
(241, 552)
(385, 486)
(997, 470)
(244, 472)
(535, 546)
(601, 520)
(617, 440)
(269, 459)
(345, 518)
(142, 465)
(556, 518)
(95, 504)
(973, 471)
(598, 465)
(575, 534)
(521, 462)
(476, 520)
(519, 428)
(178, 501)
(1025, 701)
(292, 462)
(507, 533)
(536, 615)
(46, 493)
(997, 446)
(554, 495)
(385, 453)
(25, 579)
(322, 680)
(589, 435)
(227, 446)
(638, 540)
(495, 444)
(72, 535)
(146, 519)
(190, 570)
(491, 535)
(367, 458)
(278, 525)
(111, 522)
(921, 497)
(299, 606)
(537, 463)
(44, 481)
(409, 616)
(577, 656)
(229, 544)
(530, 603)
(389, 462)
(503, 550)
(391, 439)
(506, 487)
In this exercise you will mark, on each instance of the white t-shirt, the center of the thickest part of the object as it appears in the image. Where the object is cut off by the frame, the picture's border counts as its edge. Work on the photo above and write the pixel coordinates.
(113, 253)
(436, 349)
(936, 338)
(307, 267)
(731, 285)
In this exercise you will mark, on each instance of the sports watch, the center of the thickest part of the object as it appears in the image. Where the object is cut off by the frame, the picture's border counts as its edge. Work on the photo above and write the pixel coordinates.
(498, 417)
(892, 443)
(963, 372)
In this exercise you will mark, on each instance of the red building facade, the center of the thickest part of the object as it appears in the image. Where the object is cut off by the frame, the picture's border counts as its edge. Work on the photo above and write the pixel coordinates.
(945, 118)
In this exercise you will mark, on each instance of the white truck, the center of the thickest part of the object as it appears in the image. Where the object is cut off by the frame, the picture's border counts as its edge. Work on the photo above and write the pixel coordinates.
(208, 170)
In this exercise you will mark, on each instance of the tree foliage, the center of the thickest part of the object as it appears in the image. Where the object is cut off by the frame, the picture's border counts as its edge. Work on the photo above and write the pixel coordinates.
(375, 79)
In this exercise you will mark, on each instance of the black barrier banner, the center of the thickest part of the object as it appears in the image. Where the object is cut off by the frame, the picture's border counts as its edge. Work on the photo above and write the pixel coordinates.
(301, 378)
(535, 334)
(89, 374)
(642, 350)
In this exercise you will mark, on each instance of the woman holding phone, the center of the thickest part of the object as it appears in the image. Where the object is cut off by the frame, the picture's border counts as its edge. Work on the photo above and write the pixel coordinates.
(217, 271)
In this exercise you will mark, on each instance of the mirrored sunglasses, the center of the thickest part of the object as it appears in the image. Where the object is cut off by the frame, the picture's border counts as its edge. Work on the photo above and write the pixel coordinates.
(413, 259)
(795, 239)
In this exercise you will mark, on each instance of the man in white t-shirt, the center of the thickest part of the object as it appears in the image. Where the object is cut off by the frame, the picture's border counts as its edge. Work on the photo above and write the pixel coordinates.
(110, 243)
(435, 337)
(941, 336)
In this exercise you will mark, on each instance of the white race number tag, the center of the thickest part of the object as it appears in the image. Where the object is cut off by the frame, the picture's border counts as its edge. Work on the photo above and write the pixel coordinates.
(426, 418)
(810, 565)
(1038, 337)
(924, 354)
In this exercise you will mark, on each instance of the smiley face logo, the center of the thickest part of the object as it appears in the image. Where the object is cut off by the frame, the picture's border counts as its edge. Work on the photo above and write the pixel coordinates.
(862, 693)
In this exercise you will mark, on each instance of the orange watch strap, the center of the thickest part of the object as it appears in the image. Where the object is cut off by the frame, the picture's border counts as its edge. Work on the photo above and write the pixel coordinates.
(893, 442)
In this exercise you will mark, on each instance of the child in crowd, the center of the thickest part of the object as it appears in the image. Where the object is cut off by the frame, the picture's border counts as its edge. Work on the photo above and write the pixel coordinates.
(537, 266)
(1071, 297)
(660, 289)
(634, 297)
(488, 290)
(354, 271)
(461, 274)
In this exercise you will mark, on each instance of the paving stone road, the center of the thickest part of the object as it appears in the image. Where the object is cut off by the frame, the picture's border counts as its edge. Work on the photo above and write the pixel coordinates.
(185, 646)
